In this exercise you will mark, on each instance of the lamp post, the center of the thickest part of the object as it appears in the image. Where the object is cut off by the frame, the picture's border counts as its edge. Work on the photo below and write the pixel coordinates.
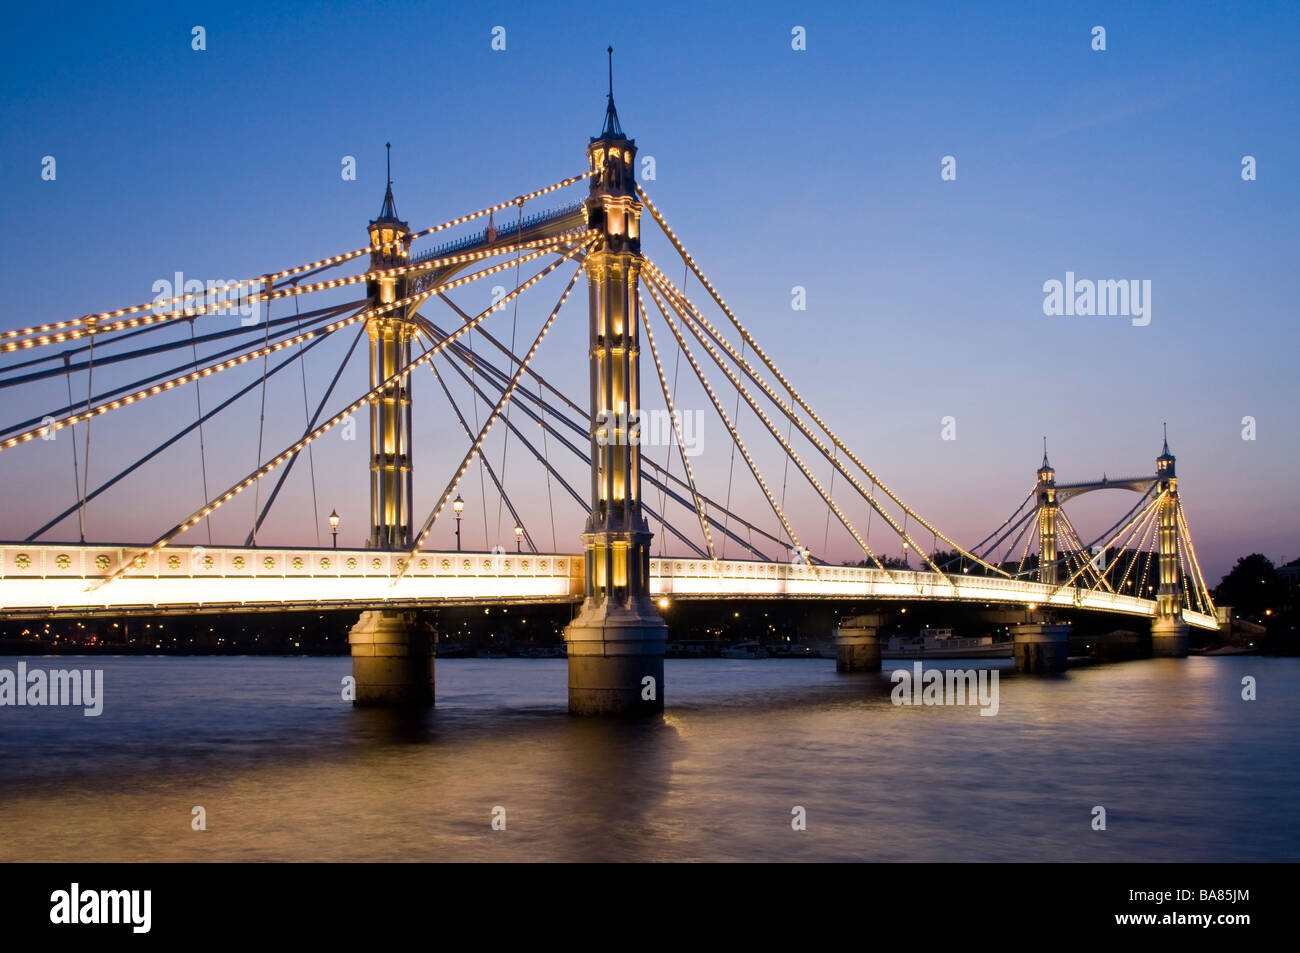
(334, 526)
(459, 506)
(519, 538)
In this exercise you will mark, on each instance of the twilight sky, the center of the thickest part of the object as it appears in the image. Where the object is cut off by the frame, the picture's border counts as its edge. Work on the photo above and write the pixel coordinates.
(779, 168)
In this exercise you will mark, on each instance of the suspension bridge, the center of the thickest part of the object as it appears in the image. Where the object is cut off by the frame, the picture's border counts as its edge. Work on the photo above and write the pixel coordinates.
(639, 490)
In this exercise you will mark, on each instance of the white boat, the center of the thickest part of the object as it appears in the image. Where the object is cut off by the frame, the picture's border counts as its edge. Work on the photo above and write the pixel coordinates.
(941, 643)
(745, 650)
(543, 651)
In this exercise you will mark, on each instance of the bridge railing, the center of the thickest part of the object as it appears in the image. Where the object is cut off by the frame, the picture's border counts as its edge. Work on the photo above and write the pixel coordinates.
(54, 576)
(70, 579)
(507, 230)
(699, 576)
(19, 561)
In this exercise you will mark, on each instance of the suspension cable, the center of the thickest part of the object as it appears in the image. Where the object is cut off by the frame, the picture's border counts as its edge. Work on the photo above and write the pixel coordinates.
(546, 451)
(85, 477)
(108, 484)
(726, 422)
(654, 285)
(297, 447)
(692, 316)
(498, 380)
(514, 328)
(745, 335)
(306, 414)
(460, 355)
(501, 490)
(198, 403)
(253, 355)
(40, 335)
(1196, 563)
(677, 429)
(76, 480)
(261, 420)
(487, 427)
(320, 408)
(731, 464)
(1150, 508)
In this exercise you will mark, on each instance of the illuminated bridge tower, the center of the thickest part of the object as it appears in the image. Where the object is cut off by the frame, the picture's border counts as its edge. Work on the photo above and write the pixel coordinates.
(1168, 631)
(390, 336)
(392, 658)
(616, 642)
(1048, 509)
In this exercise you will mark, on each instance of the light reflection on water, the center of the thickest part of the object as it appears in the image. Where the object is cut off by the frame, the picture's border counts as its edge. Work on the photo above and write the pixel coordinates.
(286, 770)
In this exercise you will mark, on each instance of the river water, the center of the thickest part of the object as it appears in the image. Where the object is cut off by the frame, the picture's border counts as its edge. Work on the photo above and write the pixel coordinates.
(286, 770)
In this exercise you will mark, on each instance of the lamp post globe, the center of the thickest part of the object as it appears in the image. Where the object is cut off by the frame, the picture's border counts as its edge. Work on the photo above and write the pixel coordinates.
(459, 506)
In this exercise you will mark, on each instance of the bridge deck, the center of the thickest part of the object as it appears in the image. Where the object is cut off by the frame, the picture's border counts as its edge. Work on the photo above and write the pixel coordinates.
(66, 580)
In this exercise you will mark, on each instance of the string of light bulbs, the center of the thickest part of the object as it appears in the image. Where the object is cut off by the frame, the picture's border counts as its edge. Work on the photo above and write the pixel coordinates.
(139, 557)
(89, 321)
(144, 393)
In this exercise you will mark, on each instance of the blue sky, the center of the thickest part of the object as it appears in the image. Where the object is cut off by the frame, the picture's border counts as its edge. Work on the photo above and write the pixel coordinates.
(779, 168)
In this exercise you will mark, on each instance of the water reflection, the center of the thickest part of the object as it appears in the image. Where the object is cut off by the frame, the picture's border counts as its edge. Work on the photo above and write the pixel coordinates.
(286, 770)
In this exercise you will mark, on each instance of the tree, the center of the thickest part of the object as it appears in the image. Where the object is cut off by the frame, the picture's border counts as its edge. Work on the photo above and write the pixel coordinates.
(889, 562)
(1252, 586)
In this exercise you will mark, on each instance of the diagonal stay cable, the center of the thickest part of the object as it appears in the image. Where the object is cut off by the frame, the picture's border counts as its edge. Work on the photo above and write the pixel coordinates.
(198, 409)
(287, 342)
(581, 428)
(692, 316)
(252, 385)
(177, 343)
(746, 336)
(58, 331)
(726, 422)
(677, 429)
(297, 447)
(320, 408)
(154, 378)
(578, 452)
(477, 445)
(157, 382)
(499, 380)
(654, 286)
(501, 490)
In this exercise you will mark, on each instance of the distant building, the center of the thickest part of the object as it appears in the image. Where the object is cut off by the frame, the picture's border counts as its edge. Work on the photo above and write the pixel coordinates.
(1290, 576)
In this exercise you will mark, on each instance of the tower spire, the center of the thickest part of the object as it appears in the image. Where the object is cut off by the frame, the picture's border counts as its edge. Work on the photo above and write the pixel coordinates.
(1165, 425)
(389, 210)
(612, 129)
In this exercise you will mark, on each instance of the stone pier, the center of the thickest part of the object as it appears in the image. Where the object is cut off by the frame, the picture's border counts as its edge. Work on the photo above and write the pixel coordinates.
(1040, 648)
(1168, 638)
(616, 660)
(857, 643)
(392, 660)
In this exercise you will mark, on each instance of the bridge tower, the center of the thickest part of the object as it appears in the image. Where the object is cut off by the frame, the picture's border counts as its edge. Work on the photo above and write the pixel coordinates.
(616, 642)
(390, 336)
(1168, 631)
(1048, 509)
(392, 656)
